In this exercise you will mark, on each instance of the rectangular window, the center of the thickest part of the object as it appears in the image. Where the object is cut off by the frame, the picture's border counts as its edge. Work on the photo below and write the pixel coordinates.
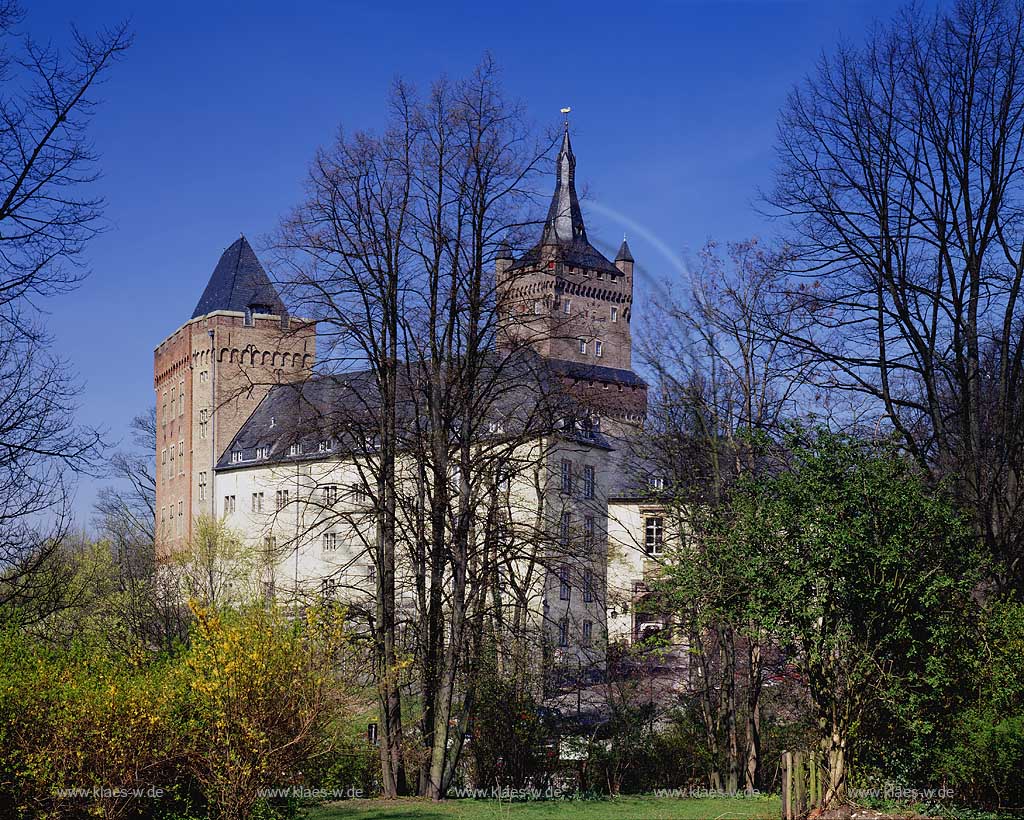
(656, 482)
(331, 494)
(170, 471)
(563, 582)
(262, 453)
(653, 534)
(330, 541)
(588, 586)
(282, 499)
(326, 445)
(204, 421)
(257, 502)
(598, 349)
(566, 307)
(328, 587)
(371, 573)
(588, 481)
(295, 450)
(583, 345)
(229, 504)
(536, 308)
(564, 528)
(236, 456)
(202, 486)
(181, 398)
(588, 633)
(563, 631)
(163, 414)
(615, 314)
(163, 460)
(357, 492)
(566, 476)
(588, 533)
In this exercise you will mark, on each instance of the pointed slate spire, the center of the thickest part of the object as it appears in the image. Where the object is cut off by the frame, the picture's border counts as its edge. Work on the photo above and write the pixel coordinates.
(239, 283)
(565, 219)
(624, 254)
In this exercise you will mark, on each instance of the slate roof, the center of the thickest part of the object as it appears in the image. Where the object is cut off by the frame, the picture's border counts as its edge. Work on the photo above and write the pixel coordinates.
(239, 283)
(344, 410)
(595, 372)
(624, 254)
(564, 229)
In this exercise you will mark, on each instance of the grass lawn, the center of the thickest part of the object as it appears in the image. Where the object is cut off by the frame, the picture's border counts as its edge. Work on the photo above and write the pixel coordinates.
(626, 808)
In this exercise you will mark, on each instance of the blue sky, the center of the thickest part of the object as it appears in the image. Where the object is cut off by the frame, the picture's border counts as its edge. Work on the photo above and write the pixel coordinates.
(209, 124)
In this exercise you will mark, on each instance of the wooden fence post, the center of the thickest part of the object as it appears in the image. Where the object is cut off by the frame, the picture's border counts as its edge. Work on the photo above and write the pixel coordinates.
(787, 784)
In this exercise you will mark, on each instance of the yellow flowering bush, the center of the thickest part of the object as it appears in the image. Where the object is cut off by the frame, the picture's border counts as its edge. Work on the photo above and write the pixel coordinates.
(260, 689)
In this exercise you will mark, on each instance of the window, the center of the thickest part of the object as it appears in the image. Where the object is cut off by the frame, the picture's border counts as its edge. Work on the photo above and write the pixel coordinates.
(583, 345)
(163, 460)
(588, 633)
(588, 586)
(328, 587)
(563, 582)
(236, 456)
(262, 452)
(163, 414)
(653, 533)
(331, 494)
(202, 486)
(204, 376)
(564, 529)
(358, 492)
(326, 445)
(371, 573)
(567, 307)
(257, 502)
(181, 458)
(563, 631)
(566, 476)
(330, 541)
(282, 499)
(598, 349)
(229, 504)
(295, 450)
(656, 482)
(170, 471)
(588, 481)
(536, 308)
(270, 544)
(615, 314)
(204, 422)
(163, 521)
(588, 533)
(181, 398)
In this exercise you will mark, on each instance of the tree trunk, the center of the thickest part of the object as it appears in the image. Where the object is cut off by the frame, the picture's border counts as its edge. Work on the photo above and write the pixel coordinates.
(751, 774)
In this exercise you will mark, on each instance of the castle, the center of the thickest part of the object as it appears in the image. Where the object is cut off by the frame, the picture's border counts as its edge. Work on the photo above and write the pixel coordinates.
(236, 441)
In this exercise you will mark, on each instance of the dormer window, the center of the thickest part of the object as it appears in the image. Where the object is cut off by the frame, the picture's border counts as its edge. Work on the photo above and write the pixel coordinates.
(295, 450)
(656, 482)
(236, 456)
(326, 445)
(262, 452)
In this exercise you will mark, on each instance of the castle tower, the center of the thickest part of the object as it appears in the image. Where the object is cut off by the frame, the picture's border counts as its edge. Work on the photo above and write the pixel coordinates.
(209, 376)
(565, 299)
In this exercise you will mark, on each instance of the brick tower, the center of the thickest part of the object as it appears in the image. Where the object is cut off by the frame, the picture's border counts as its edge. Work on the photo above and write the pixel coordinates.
(209, 376)
(565, 299)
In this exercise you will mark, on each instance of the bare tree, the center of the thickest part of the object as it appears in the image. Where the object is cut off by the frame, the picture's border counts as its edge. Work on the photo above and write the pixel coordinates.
(46, 167)
(394, 252)
(727, 383)
(901, 176)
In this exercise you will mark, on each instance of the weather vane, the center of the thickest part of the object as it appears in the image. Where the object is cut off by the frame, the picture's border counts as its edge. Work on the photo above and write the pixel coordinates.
(566, 111)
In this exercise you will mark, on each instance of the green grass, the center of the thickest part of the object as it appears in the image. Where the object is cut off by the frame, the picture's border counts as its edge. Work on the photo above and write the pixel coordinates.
(622, 808)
